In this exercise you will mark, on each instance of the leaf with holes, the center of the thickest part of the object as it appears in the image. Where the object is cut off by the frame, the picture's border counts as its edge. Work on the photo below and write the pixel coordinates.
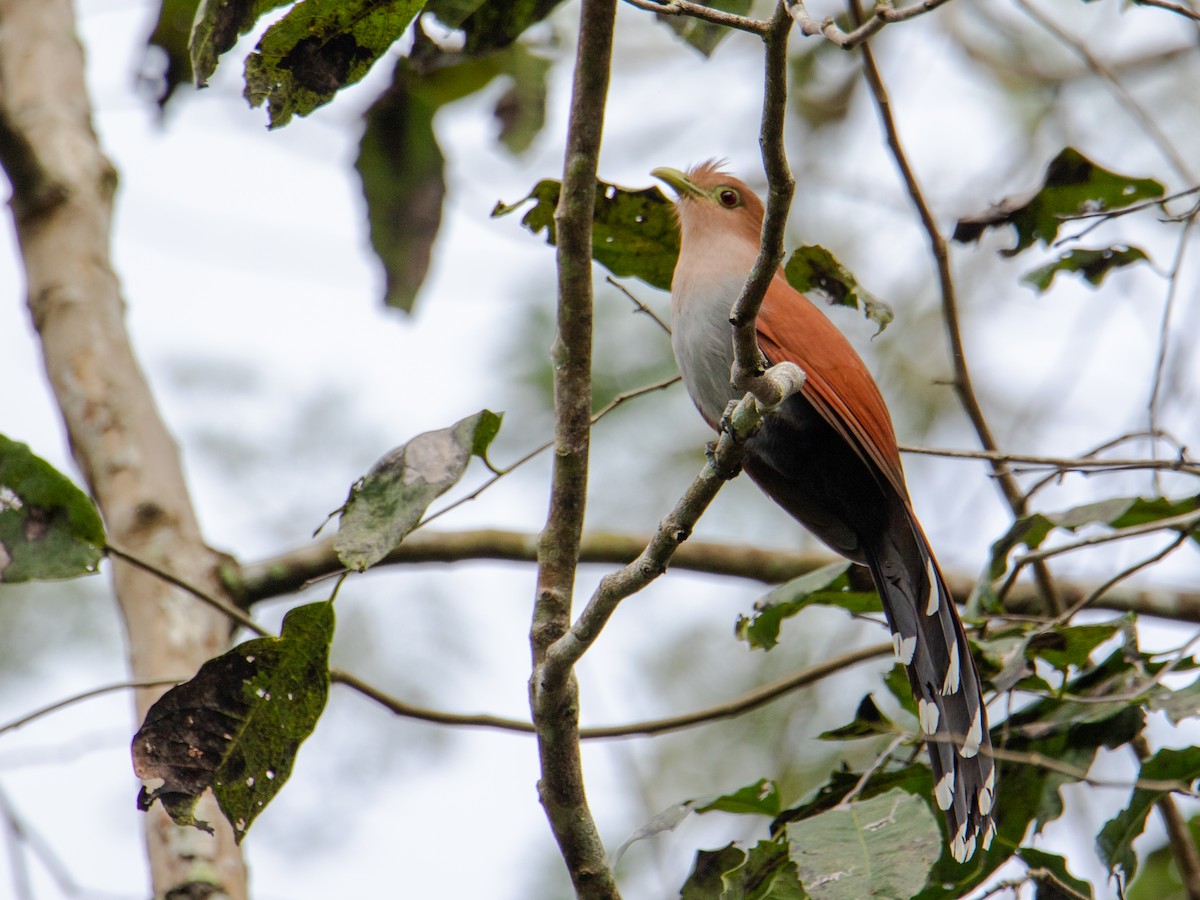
(388, 502)
(318, 48)
(237, 725)
(218, 26)
(827, 586)
(813, 268)
(633, 232)
(1093, 265)
(49, 528)
(1073, 185)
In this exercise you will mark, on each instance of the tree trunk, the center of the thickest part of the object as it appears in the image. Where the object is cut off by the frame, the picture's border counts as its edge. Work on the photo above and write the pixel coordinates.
(62, 193)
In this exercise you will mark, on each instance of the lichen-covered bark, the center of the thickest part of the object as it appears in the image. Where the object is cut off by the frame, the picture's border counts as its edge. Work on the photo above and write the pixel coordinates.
(62, 195)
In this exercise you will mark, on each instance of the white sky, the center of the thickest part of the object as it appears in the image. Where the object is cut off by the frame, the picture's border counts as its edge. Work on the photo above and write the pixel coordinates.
(253, 304)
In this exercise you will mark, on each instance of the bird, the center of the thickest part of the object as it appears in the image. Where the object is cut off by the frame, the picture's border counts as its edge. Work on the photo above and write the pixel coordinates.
(828, 455)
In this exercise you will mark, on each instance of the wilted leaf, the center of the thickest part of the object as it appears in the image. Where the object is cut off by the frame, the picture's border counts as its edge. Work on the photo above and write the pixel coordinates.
(388, 502)
(237, 725)
(521, 110)
(633, 232)
(758, 799)
(1093, 265)
(813, 268)
(667, 820)
(1073, 185)
(704, 36)
(878, 847)
(318, 48)
(217, 28)
(826, 586)
(1114, 844)
(49, 528)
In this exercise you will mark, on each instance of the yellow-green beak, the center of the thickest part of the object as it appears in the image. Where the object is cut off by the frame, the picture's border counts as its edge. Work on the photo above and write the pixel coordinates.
(677, 181)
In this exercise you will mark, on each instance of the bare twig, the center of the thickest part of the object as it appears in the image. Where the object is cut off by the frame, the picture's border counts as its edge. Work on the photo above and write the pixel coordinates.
(748, 365)
(1185, 523)
(1177, 8)
(88, 695)
(1041, 761)
(747, 702)
(884, 14)
(962, 378)
(1062, 463)
(641, 307)
(704, 13)
(1135, 110)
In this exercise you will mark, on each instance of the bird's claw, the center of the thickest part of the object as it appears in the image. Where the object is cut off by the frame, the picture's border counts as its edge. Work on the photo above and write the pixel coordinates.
(772, 387)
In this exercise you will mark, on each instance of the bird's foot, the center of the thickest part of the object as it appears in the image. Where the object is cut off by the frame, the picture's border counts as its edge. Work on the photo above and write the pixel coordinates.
(772, 387)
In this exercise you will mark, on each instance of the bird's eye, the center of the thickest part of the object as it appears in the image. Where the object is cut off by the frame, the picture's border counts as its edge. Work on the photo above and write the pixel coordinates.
(729, 198)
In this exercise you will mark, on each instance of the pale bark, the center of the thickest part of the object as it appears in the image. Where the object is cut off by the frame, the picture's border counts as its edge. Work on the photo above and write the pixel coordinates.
(62, 194)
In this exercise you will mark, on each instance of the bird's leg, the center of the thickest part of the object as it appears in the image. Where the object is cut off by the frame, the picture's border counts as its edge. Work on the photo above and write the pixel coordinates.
(770, 387)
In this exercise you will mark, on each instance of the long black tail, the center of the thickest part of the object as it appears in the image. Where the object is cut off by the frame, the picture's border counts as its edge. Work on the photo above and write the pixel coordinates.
(931, 644)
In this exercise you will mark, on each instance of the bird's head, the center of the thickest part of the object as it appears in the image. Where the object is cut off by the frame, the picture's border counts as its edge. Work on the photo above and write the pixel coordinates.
(713, 205)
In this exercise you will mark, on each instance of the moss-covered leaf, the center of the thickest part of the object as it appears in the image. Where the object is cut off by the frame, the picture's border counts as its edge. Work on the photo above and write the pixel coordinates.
(320, 47)
(1073, 185)
(218, 26)
(388, 502)
(237, 725)
(633, 234)
(49, 528)
(1093, 265)
(813, 268)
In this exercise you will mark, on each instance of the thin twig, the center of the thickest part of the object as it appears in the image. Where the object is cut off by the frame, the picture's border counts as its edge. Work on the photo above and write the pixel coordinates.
(941, 255)
(884, 14)
(747, 702)
(1177, 8)
(704, 13)
(641, 307)
(1060, 463)
(1041, 761)
(87, 695)
(1184, 522)
(234, 614)
(1135, 110)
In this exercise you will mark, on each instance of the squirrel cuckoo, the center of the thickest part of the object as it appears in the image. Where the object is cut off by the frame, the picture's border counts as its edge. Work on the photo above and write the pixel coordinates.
(828, 456)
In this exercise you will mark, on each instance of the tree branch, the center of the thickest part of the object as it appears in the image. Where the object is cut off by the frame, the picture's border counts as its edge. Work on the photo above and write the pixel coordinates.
(555, 701)
(62, 205)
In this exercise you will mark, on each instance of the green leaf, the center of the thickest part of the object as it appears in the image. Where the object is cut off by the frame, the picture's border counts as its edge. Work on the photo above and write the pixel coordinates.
(758, 799)
(1115, 841)
(1055, 866)
(813, 268)
(827, 586)
(521, 110)
(171, 35)
(1073, 185)
(704, 36)
(49, 528)
(218, 26)
(320, 47)
(388, 502)
(869, 721)
(878, 847)
(237, 725)
(764, 873)
(633, 234)
(1093, 265)
(1064, 646)
(493, 26)
(1177, 705)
